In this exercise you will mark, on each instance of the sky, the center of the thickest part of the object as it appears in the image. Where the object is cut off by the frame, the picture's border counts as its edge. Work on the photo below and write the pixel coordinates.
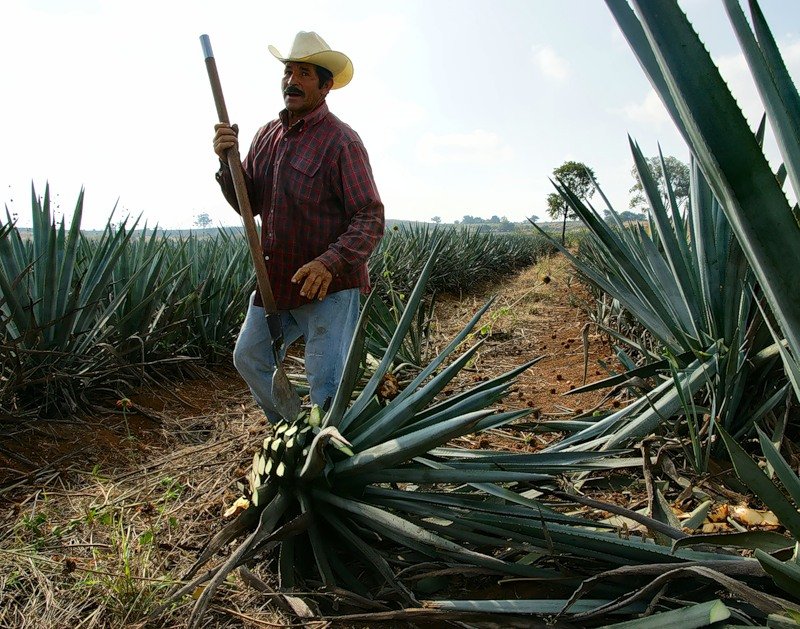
(465, 106)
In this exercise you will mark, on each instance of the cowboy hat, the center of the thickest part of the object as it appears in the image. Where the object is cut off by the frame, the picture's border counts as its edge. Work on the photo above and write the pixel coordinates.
(308, 47)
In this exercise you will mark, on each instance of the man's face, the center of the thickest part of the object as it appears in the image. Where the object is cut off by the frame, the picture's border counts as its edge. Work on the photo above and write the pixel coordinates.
(301, 90)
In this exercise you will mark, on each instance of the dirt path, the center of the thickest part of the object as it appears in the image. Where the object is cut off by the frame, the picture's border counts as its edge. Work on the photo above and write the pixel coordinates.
(537, 313)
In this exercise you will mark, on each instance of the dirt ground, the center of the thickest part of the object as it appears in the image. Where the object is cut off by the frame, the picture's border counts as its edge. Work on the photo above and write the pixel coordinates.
(110, 501)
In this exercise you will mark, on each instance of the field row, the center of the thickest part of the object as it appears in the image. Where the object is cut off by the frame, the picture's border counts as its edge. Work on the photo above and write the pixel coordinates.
(85, 314)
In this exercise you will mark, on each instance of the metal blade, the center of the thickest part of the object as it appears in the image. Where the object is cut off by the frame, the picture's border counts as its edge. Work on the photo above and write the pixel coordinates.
(284, 395)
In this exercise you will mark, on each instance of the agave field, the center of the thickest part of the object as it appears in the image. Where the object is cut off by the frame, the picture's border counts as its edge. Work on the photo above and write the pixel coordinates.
(82, 315)
(403, 501)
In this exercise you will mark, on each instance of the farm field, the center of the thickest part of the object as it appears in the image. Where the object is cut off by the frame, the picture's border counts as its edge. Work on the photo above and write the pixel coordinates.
(600, 430)
(104, 506)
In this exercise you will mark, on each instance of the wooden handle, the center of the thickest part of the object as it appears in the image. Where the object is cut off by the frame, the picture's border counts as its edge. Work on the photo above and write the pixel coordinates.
(239, 185)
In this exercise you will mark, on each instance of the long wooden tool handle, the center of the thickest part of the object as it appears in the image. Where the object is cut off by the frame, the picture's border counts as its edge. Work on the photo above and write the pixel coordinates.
(239, 185)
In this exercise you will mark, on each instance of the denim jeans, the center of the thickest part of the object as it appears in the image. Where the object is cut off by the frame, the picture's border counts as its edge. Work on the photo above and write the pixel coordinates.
(327, 326)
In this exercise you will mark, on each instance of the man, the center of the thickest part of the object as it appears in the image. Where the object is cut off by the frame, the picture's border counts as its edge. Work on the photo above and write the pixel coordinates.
(309, 178)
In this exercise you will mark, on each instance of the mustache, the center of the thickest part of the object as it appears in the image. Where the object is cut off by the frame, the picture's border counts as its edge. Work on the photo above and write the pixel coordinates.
(293, 91)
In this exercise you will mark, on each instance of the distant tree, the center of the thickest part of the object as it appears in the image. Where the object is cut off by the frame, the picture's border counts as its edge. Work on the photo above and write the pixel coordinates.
(506, 225)
(576, 176)
(678, 174)
(626, 216)
(470, 220)
(495, 219)
(437, 219)
(202, 220)
(533, 218)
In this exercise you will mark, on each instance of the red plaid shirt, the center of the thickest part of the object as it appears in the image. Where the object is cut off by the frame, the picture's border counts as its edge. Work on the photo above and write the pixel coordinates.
(312, 185)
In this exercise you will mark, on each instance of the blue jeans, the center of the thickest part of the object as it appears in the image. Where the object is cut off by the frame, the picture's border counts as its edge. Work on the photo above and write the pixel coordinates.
(328, 327)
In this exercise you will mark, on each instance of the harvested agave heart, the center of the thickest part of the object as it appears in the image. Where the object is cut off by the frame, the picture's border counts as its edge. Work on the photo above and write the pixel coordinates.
(282, 454)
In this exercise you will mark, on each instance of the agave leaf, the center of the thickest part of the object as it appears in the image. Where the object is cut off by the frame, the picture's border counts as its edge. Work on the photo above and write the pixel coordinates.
(674, 253)
(637, 39)
(477, 502)
(452, 476)
(403, 448)
(548, 606)
(648, 317)
(492, 489)
(754, 477)
(787, 476)
(691, 617)
(501, 419)
(318, 545)
(443, 355)
(663, 402)
(352, 367)
(604, 546)
(645, 371)
(486, 388)
(786, 574)
(466, 404)
(774, 84)
(768, 541)
(536, 460)
(396, 414)
(791, 362)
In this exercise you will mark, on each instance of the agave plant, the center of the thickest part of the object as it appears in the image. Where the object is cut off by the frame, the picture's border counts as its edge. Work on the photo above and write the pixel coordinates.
(147, 276)
(383, 323)
(687, 282)
(370, 487)
(215, 291)
(696, 282)
(54, 332)
(727, 151)
(469, 256)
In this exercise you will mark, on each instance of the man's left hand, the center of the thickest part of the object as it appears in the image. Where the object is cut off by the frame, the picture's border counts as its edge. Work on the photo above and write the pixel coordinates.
(317, 280)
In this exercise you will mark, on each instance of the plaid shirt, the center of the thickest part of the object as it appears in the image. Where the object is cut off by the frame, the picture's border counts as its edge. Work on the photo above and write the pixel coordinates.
(312, 185)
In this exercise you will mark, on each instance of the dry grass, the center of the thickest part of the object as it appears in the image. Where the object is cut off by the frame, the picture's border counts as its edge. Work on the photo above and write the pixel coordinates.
(88, 548)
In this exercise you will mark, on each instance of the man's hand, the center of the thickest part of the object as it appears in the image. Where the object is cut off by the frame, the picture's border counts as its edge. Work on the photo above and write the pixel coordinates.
(317, 280)
(225, 137)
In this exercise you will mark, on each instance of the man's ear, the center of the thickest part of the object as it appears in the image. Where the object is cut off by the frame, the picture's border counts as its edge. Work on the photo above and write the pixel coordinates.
(327, 87)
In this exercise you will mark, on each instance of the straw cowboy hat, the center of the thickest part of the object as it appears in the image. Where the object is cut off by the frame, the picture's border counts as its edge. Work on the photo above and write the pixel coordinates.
(308, 47)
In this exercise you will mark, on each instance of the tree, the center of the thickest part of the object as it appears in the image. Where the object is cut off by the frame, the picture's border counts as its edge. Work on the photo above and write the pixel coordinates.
(626, 216)
(579, 178)
(437, 219)
(678, 174)
(202, 220)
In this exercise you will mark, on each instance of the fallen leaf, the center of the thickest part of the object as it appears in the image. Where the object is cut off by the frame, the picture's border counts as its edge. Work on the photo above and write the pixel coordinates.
(719, 513)
(716, 527)
(236, 508)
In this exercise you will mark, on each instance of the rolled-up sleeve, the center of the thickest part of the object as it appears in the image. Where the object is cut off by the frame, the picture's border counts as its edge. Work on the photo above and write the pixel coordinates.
(352, 174)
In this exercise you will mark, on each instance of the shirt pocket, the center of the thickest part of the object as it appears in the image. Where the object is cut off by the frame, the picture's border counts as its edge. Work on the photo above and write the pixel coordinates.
(305, 181)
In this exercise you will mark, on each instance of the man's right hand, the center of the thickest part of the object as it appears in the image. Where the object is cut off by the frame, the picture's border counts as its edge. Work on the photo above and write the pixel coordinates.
(225, 137)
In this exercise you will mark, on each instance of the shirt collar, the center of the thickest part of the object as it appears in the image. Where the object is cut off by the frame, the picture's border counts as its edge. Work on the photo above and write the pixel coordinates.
(310, 119)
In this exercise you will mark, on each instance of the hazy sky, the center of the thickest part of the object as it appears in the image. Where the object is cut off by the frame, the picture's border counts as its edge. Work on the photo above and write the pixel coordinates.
(465, 106)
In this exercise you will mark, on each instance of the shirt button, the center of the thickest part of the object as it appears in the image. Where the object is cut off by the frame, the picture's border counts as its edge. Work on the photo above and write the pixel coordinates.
(266, 258)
